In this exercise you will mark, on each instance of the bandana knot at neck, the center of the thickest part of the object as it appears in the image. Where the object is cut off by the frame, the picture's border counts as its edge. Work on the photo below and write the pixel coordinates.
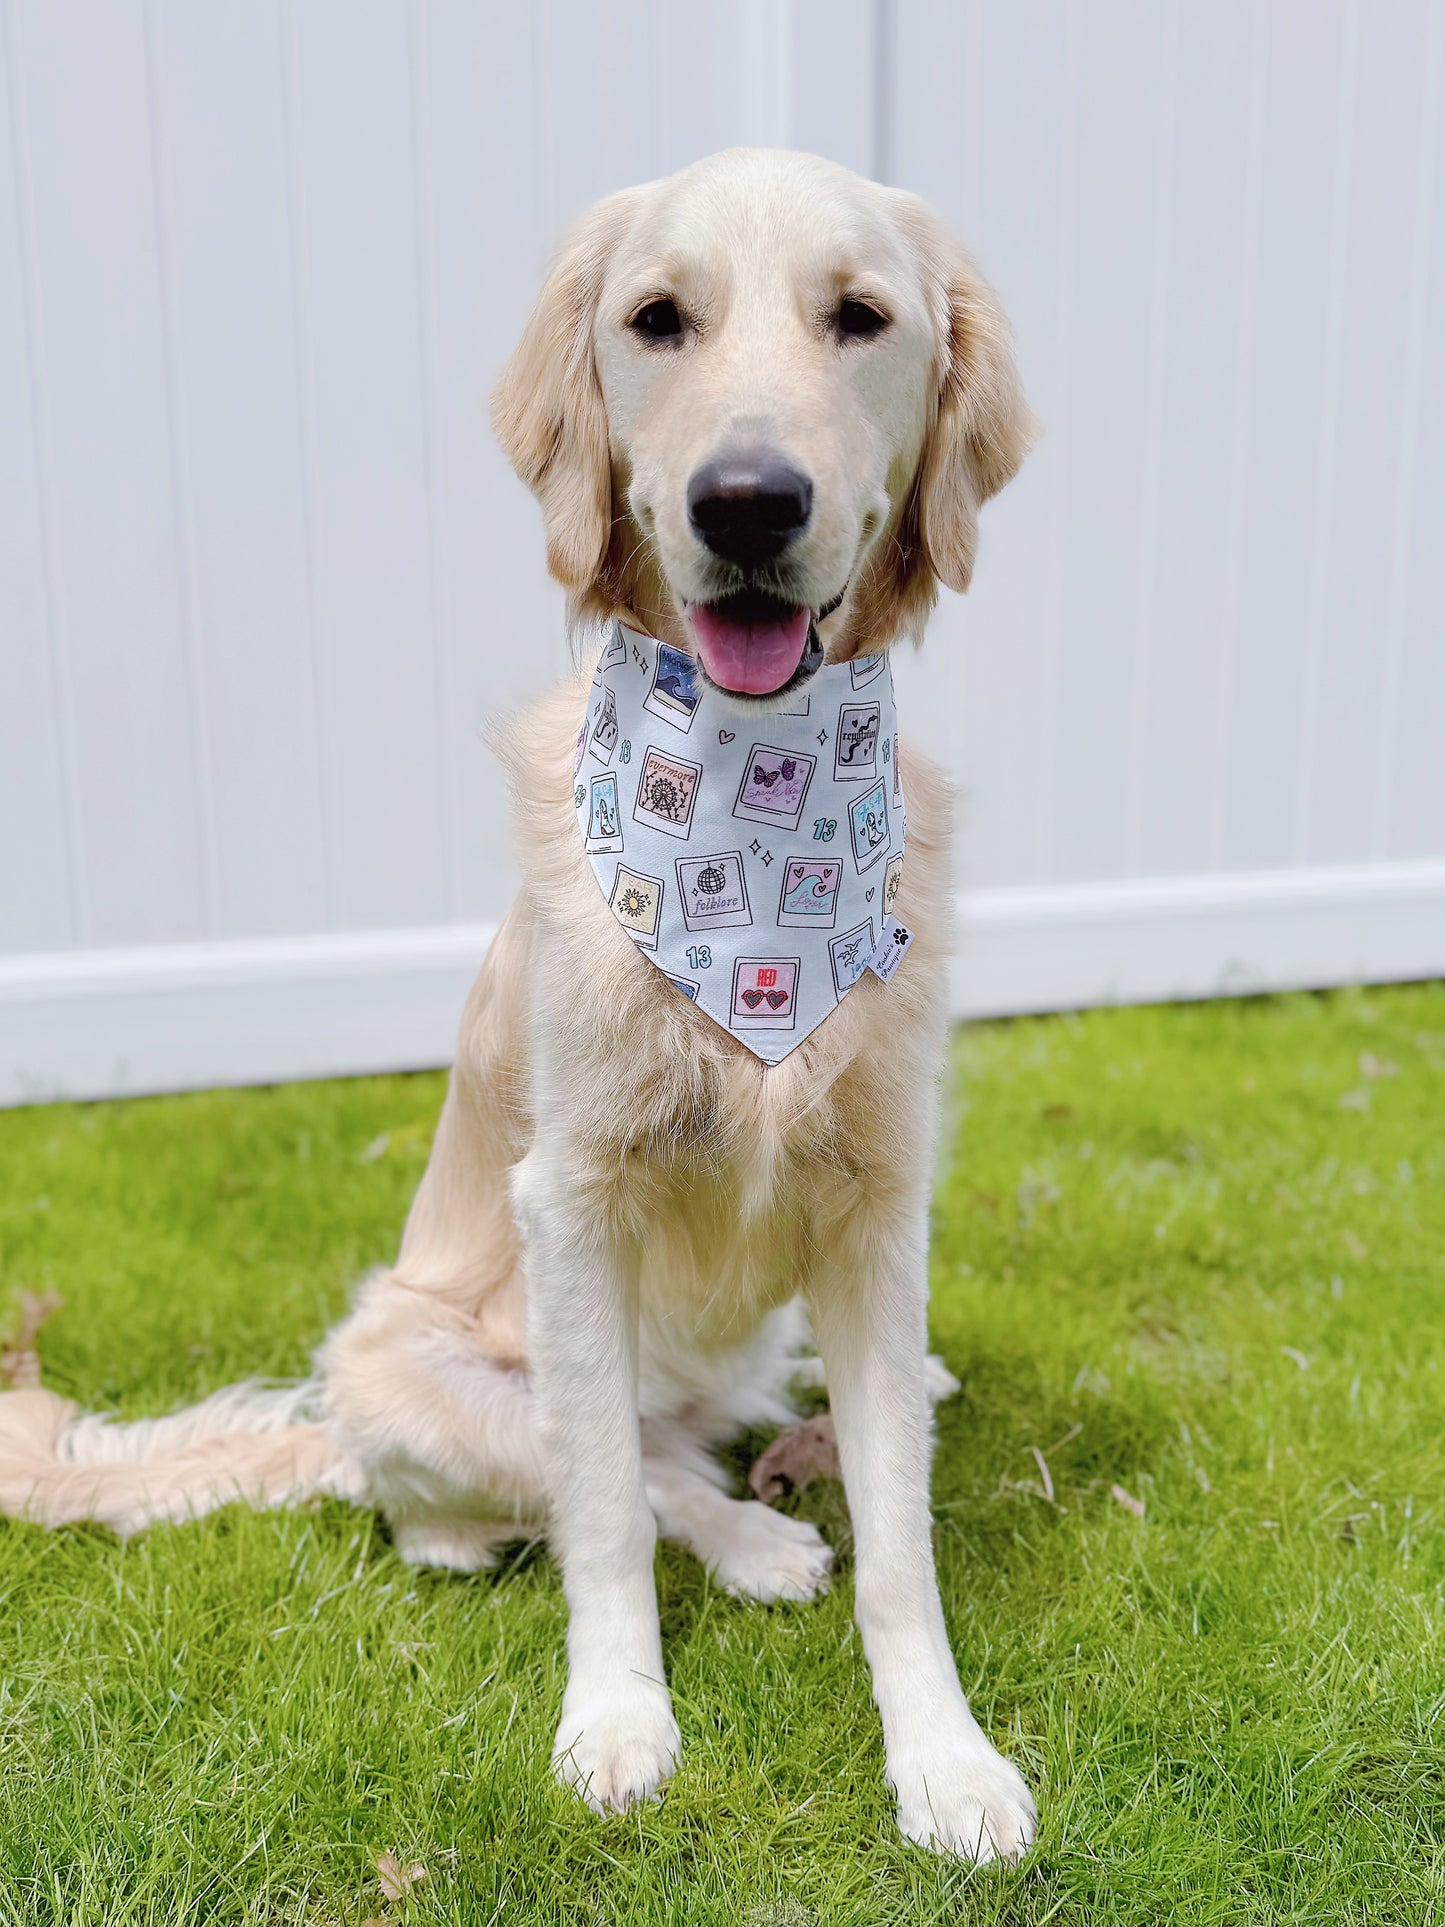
(752, 857)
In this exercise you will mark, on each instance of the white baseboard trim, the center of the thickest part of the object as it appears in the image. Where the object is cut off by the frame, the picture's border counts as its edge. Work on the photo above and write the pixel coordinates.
(110, 1023)
(114, 1023)
(1167, 939)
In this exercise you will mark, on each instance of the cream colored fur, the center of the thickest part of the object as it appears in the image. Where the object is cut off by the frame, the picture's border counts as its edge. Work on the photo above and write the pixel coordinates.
(627, 1222)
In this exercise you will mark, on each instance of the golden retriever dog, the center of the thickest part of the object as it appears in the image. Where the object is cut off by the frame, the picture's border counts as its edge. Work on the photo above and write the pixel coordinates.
(760, 404)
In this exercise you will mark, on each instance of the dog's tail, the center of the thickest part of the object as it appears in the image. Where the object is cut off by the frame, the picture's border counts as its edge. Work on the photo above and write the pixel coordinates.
(255, 1444)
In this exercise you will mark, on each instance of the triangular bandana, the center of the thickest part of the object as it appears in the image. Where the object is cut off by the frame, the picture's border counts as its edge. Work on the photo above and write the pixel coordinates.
(752, 858)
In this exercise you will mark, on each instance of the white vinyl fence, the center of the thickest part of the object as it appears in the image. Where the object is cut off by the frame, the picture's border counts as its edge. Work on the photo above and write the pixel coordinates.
(264, 578)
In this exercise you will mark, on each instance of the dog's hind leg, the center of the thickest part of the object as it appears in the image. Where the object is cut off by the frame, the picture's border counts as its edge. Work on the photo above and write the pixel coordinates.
(442, 1433)
(939, 1382)
(425, 1383)
(749, 1549)
(453, 1543)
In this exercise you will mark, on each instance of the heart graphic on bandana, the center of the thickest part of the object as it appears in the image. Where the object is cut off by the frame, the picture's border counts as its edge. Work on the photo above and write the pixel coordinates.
(776, 998)
(726, 735)
(752, 998)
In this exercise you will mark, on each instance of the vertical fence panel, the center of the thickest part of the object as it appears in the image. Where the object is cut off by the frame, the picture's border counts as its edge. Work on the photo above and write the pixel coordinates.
(39, 870)
(89, 153)
(356, 190)
(1409, 802)
(1192, 514)
(1114, 428)
(1296, 298)
(482, 252)
(596, 70)
(982, 121)
(834, 89)
(1348, 685)
(718, 78)
(236, 390)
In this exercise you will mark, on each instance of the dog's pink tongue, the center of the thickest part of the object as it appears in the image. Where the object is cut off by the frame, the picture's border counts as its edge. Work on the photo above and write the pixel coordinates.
(752, 658)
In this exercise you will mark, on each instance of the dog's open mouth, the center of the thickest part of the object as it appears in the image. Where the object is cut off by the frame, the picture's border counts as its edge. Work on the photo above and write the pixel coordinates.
(752, 643)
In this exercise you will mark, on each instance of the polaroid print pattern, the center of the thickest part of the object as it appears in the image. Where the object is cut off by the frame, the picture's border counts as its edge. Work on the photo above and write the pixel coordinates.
(604, 815)
(765, 992)
(753, 866)
(868, 824)
(666, 792)
(602, 740)
(850, 953)
(774, 786)
(714, 891)
(855, 743)
(637, 905)
(674, 695)
(810, 893)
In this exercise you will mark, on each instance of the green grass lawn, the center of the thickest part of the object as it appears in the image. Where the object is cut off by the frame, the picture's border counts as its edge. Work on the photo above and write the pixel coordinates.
(1197, 1254)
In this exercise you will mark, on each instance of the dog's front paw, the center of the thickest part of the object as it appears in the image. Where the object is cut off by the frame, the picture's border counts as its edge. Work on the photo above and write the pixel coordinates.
(617, 1751)
(769, 1556)
(961, 1797)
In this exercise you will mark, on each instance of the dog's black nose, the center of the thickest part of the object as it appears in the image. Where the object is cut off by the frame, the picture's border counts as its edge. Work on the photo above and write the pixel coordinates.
(747, 506)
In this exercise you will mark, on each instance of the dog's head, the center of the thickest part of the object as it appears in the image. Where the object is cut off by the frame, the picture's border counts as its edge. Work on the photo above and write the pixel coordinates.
(761, 403)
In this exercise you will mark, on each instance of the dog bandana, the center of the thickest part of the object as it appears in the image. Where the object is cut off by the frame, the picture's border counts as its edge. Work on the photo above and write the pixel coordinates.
(755, 859)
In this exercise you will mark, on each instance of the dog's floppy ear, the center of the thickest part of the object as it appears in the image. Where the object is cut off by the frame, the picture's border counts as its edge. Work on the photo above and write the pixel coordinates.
(547, 408)
(977, 432)
(979, 426)
(982, 427)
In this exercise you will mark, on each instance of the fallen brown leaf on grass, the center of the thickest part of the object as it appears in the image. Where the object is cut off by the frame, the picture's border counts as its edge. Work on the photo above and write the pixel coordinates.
(396, 1880)
(19, 1360)
(795, 1458)
(1127, 1500)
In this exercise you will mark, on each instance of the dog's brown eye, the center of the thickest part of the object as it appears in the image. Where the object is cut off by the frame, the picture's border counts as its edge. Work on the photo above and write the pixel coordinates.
(658, 321)
(858, 318)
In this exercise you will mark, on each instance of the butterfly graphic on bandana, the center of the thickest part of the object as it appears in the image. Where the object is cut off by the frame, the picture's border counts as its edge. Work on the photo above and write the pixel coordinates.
(774, 786)
(784, 773)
